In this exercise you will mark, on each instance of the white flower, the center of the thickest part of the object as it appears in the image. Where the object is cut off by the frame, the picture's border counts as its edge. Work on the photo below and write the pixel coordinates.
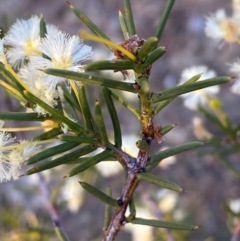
(44, 90)
(5, 138)
(235, 68)
(5, 165)
(221, 27)
(23, 40)
(65, 52)
(20, 153)
(2, 52)
(12, 156)
(195, 98)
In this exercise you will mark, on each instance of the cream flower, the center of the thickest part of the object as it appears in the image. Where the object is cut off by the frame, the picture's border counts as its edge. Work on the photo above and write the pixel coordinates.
(20, 153)
(2, 52)
(44, 90)
(23, 40)
(193, 99)
(12, 156)
(64, 52)
(5, 165)
(221, 27)
(235, 68)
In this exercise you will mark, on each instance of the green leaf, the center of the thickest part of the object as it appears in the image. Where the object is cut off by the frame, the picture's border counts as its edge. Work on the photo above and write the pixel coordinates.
(156, 158)
(84, 18)
(61, 235)
(70, 97)
(86, 112)
(114, 117)
(51, 152)
(100, 195)
(43, 33)
(43, 28)
(182, 89)
(194, 79)
(147, 177)
(13, 91)
(146, 48)
(23, 116)
(108, 210)
(11, 78)
(154, 56)
(132, 210)
(110, 65)
(59, 117)
(85, 159)
(78, 139)
(164, 103)
(125, 103)
(64, 159)
(212, 118)
(123, 25)
(91, 79)
(48, 134)
(163, 224)
(164, 18)
(165, 129)
(84, 165)
(129, 17)
(102, 131)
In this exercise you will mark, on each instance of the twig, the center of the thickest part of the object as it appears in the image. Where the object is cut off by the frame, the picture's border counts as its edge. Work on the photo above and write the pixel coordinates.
(51, 209)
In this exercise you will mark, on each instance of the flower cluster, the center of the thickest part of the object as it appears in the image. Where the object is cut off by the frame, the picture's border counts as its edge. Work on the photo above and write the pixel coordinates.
(225, 28)
(12, 156)
(23, 50)
(28, 53)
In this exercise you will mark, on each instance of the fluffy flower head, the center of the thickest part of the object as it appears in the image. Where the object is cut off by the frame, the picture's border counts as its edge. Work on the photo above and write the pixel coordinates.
(12, 156)
(221, 27)
(65, 52)
(23, 40)
(2, 52)
(5, 165)
(44, 90)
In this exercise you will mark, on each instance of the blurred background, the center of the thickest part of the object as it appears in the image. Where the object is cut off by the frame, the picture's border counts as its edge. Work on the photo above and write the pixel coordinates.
(208, 184)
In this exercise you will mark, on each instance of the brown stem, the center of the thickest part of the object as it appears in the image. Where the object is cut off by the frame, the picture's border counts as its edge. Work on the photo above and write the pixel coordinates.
(118, 218)
(119, 215)
(133, 165)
